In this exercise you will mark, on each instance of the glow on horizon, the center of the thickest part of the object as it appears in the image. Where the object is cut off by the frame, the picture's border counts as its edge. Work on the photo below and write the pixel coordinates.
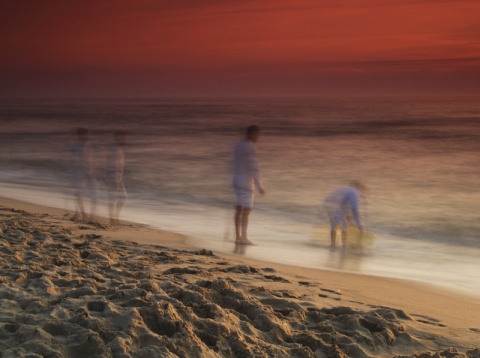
(262, 47)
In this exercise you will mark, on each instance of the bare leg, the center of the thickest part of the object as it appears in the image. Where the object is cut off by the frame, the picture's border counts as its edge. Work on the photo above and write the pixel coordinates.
(344, 239)
(93, 207)
(118, 210)
(111, 212)
(245, 217)
(333, 237)
(241, 224)
(81, 208)
(238, 223)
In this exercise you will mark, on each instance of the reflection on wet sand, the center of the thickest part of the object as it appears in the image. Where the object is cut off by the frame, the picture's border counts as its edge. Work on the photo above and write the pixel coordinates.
(345, 260)
(240, 249)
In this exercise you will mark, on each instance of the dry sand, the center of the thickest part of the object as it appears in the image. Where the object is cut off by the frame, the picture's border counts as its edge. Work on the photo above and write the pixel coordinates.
(70, 289)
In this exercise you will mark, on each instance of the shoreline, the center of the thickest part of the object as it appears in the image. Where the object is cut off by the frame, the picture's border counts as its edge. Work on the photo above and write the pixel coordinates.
(447, 267)
(434, 319)
(145, 234)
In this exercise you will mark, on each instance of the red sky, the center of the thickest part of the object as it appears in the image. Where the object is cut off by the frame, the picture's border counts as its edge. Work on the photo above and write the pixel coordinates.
(244, 48)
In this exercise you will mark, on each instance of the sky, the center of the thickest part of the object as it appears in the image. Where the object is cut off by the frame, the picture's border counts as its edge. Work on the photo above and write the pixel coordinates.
(171, 48)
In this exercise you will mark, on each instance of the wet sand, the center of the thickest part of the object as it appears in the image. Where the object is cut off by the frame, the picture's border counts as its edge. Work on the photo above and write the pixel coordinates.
(75, 289)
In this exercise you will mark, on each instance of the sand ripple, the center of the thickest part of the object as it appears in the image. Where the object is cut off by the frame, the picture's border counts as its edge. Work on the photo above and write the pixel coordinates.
(69, 295)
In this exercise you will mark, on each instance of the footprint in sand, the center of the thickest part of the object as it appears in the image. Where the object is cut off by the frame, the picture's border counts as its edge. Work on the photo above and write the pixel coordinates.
(276, 278)
(428, 320)
(335, 292)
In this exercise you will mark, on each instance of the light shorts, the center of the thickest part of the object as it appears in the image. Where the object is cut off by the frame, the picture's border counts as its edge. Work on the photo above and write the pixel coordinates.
(244, 197)
(337, 218)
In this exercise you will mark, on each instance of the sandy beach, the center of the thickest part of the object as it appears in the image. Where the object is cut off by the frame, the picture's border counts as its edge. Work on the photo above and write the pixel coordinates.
(85, 289)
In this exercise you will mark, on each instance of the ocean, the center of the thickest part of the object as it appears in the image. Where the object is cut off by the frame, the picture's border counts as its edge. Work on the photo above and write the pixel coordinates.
(419, 158)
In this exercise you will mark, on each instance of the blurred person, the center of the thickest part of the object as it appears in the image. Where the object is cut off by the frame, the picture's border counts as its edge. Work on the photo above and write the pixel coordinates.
(114, 170)
(83, 169)
(343, 206)
(246, 177)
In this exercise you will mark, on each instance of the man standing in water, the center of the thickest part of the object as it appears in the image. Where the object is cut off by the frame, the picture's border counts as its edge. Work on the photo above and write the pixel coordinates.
(341, 204)
(246, 177)
(114, 177)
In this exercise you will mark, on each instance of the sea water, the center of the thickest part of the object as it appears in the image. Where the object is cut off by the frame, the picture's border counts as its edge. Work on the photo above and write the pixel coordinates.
(419, 158)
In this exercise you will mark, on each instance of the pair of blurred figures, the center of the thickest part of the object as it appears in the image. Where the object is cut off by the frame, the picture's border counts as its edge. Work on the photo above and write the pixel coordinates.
(342, 204)
(84, 176)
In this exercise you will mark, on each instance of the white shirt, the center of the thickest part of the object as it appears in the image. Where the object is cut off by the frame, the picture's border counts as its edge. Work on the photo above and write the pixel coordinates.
(246, 173)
